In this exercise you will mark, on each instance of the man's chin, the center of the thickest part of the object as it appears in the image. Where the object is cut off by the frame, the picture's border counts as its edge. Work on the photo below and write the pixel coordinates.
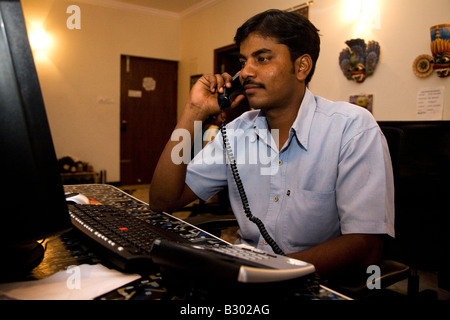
(255, 103)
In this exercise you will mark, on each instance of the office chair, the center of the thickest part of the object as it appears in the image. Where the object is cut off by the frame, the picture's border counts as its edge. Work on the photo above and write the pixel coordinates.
(391, 271)
(212, 216)
(219, 205)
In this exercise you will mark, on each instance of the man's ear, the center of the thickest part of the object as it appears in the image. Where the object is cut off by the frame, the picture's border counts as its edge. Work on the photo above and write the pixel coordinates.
(303, 66)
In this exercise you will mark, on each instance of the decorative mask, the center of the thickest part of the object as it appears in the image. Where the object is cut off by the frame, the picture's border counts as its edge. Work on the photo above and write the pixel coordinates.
(359, 60)
(440, 48)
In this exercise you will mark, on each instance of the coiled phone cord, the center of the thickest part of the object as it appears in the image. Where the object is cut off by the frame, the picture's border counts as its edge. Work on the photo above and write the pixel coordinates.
(243, 196)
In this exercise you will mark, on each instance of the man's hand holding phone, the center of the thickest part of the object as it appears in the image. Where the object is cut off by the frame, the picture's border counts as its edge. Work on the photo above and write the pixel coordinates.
(231, 93)
(213, 93)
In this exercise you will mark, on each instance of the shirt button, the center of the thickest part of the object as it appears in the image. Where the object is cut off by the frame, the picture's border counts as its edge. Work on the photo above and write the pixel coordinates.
(275, 199)
(280, 162)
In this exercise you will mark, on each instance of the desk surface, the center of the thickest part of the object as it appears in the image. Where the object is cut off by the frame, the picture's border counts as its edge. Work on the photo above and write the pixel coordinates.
(71, 249)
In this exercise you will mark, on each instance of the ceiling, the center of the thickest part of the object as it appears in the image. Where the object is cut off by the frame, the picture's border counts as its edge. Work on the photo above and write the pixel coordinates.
(171, 8)
(175, 6)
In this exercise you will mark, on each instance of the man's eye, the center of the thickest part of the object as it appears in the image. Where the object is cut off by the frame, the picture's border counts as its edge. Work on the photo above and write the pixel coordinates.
(242, 64)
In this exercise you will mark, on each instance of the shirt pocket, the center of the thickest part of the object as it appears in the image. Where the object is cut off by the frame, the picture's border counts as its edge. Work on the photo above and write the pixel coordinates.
(310, 218)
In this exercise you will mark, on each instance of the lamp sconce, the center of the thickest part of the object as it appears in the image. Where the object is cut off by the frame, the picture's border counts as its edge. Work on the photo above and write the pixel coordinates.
(359, 60)
(366, 14)
(424, 64)
(39, 40)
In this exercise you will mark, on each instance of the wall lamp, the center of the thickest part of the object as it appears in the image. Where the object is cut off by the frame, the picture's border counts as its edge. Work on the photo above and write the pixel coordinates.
(39, 40)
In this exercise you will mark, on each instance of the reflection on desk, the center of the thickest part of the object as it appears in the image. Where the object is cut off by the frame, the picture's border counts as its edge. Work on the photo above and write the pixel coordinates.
(82, 282)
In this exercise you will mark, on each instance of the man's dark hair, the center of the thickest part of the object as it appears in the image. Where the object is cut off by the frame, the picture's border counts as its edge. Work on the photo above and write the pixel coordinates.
(288, 28)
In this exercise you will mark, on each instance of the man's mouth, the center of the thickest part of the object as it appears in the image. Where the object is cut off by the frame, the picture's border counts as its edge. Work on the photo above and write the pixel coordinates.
(250, 86)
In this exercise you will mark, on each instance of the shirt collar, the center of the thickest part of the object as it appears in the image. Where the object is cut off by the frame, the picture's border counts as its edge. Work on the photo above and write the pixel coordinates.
(261, 129)
(302, 124)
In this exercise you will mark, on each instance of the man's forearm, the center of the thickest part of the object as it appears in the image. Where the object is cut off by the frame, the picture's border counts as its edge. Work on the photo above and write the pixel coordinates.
(344, 254)
(167, 189)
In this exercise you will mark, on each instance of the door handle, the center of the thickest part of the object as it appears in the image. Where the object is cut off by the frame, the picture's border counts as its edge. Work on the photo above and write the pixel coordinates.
(123, 125)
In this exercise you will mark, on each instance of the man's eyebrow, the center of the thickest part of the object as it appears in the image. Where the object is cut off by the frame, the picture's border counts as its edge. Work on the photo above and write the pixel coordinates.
(256, 53)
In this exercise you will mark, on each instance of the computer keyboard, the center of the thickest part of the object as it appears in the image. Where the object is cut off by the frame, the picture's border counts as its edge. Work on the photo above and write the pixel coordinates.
(133, 237)
(127, 239)
(118, 230)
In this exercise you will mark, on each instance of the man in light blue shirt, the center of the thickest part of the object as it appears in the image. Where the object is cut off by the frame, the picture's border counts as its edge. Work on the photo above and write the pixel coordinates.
(316, 173)
(323, 181)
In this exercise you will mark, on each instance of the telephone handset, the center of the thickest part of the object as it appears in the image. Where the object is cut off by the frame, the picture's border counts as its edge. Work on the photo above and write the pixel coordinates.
(224, 103)
(229, 94)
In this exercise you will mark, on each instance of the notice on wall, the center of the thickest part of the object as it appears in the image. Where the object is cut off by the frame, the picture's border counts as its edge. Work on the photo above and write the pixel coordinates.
(134, 93)
(430, 103)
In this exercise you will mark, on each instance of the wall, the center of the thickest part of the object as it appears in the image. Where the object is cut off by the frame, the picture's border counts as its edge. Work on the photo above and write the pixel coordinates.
(403, 35)
(80, 72)
(402, 31)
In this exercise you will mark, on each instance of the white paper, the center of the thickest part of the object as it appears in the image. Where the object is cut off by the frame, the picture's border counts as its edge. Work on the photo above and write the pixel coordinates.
(84, 282)
(430, 103)
(134, 93)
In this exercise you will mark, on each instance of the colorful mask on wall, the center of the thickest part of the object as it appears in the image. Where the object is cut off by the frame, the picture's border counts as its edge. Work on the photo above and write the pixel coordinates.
(424, 64)
(440, 48)
(359, 60)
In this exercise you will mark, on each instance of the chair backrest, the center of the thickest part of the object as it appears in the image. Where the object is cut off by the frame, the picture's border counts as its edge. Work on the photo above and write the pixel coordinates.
(394, 137)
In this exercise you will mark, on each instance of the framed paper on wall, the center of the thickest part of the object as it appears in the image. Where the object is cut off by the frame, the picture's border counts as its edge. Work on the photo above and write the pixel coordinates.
(363, 100)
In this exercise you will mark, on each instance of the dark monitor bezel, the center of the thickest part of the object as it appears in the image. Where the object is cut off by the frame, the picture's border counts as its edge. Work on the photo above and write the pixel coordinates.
(33, 200)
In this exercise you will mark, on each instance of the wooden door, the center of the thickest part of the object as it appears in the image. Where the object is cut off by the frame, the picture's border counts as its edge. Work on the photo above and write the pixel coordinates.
(148, 115)
(226, 59)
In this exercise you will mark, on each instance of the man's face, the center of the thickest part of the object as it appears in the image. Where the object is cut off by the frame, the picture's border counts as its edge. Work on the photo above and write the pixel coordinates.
(267, 72)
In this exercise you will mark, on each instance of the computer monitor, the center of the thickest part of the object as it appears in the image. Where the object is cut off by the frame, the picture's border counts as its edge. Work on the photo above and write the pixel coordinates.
(33, 204)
